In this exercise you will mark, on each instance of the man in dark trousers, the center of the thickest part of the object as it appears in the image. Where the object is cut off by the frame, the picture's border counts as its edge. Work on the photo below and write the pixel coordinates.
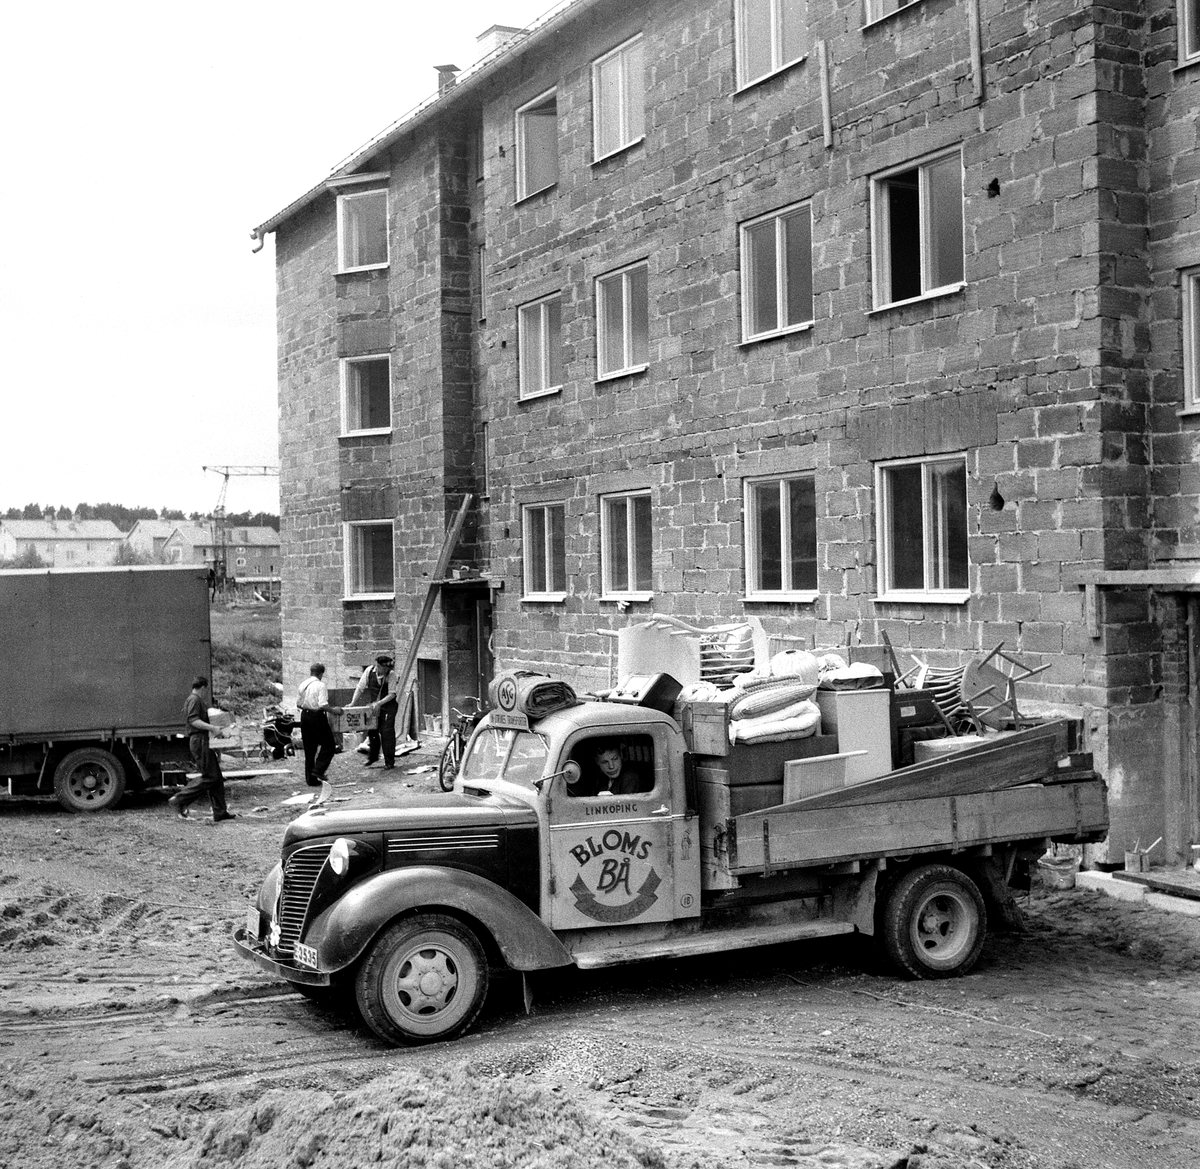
(377, 687)
(210, 779)
(317, 734)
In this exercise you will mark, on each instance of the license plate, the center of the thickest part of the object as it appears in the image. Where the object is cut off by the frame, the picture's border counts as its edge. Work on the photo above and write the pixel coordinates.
(252, 922)
(305, 956)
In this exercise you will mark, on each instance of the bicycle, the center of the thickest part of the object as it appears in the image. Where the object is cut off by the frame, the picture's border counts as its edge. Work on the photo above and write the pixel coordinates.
(452, 753)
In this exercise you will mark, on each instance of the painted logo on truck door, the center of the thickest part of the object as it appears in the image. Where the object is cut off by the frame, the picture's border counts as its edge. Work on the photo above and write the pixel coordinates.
(616, 880)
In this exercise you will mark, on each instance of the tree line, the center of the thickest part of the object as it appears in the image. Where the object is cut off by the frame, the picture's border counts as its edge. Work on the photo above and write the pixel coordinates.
(125, 517)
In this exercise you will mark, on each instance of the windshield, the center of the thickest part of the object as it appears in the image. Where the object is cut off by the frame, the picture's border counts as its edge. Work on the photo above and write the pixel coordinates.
(517, 756)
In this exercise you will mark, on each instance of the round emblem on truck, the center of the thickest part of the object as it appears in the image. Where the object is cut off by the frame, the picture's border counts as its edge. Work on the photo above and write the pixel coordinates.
(506, 695)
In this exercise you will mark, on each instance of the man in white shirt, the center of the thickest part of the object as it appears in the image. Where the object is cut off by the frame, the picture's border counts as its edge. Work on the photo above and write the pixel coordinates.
(315, 731)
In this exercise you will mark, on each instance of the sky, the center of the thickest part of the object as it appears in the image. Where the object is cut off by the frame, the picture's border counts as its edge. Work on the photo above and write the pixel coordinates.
(143, 141)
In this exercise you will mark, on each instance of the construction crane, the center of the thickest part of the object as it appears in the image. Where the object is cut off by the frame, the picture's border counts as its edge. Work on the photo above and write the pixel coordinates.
(220, 532)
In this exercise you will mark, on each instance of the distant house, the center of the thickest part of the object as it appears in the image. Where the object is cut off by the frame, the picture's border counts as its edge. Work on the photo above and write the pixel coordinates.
(62, 543)
(189, 544)
(253, 554)
(150, 536)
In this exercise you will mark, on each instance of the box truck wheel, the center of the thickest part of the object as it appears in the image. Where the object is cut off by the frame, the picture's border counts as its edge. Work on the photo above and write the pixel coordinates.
(425, 978)
(89, 780)
(934, 923)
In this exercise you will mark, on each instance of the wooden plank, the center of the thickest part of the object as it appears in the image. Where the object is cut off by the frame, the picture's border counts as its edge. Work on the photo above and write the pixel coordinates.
(1005, 762)
(803, 835)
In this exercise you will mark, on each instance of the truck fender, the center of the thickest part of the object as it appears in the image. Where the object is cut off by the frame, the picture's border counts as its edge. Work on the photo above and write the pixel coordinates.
(341, 933)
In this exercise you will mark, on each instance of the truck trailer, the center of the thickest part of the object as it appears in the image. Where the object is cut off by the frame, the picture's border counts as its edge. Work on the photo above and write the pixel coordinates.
(95, 665)
(525, 866)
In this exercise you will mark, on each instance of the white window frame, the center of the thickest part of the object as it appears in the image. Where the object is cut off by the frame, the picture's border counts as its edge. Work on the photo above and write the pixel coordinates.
(754, 588)
(343, 201)
(519, 131)
(778, 61)
(540, 306)
(344, 371)
(628, 365)
(877, 10)
(539, 513)
(1189, 287)
(1188, 22)
(881, 231)
(780, 274)
(625, 130)
(611, 590)
(352, 548)
(930, 532)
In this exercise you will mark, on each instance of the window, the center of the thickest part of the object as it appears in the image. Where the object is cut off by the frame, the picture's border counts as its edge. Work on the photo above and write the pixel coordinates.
(366, 395)
(537, 145)
(781, 537)
(369, 567)
(623, 321)
(543, 528)
(878, 9)
(1189, 30)
(1190, 287)
(362, 231)
(770, 35)
(918, 217)
(625, 540)
(921, 528)
(539, 346)
(777, 283)
(618, 99)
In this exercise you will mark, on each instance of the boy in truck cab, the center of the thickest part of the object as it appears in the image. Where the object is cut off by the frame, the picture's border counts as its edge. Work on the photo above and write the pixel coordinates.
(605, 768)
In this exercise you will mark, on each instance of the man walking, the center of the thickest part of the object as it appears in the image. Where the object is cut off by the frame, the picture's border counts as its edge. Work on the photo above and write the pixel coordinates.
(376, 687)
(210, 779)
(315, 731)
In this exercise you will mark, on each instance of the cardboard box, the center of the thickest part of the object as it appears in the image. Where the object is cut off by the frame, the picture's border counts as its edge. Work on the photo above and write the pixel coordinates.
(353, 719)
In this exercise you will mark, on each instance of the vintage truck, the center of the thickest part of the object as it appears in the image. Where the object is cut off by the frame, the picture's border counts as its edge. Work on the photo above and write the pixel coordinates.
(410, 906)
(94, 667)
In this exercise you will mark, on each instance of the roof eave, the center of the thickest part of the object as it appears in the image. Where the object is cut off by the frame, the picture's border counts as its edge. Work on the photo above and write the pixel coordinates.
(431, 109)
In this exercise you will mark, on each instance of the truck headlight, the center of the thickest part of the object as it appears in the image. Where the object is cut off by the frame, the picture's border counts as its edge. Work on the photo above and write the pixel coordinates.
(339, 856)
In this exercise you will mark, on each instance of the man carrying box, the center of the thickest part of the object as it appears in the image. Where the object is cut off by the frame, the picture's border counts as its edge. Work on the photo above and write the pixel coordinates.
(378, 688)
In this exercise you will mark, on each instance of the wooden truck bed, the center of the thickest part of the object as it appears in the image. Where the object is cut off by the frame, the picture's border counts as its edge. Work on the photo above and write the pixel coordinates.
(799, 835)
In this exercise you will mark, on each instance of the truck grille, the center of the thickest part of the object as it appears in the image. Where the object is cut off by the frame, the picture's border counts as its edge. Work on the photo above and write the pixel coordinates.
(299, 876)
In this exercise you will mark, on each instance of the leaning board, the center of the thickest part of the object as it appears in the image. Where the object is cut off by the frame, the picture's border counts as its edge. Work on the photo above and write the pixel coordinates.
(798, 835)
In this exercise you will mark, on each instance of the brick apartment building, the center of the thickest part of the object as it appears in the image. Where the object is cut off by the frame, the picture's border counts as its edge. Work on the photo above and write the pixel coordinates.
(854, 315)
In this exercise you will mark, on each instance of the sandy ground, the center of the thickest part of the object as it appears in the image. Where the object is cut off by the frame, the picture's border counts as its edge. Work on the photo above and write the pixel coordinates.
(132, 1035)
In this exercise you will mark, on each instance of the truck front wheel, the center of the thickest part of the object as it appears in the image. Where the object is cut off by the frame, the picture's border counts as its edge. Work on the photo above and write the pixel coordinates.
(934, 922)
(424, 979)
(89, 780)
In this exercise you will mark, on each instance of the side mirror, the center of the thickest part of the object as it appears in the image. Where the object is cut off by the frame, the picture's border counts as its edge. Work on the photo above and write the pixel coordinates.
(571, 772)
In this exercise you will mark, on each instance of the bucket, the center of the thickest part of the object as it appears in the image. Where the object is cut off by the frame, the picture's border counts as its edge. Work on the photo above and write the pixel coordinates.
(1058, 872)
(1137, 862)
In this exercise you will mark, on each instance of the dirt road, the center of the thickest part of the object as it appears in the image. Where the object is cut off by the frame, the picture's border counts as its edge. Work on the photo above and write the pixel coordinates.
(132, 1035)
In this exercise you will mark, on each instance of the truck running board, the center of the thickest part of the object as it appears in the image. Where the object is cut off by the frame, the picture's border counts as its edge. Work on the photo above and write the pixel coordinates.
(710, 941)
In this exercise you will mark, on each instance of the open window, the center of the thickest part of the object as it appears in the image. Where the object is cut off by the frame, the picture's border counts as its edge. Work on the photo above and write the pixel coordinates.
(362, 231)
(622, 765)
(366, 394)
(370, 567)
(917, 213)
(537, 145)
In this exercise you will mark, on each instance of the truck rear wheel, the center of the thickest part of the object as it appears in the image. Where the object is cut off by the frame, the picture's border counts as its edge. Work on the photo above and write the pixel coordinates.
(934, 922)
(424, 979)
(89, 780)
